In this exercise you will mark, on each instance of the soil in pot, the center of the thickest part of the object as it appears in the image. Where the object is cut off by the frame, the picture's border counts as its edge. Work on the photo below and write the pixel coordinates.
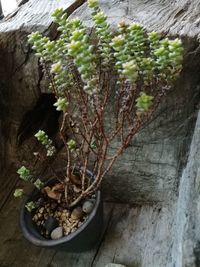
(52, 217)
(53, 225)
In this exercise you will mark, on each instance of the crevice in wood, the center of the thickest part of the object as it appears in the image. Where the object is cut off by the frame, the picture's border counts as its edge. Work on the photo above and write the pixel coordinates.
(8, 192)
(27, 55)
(51, 260)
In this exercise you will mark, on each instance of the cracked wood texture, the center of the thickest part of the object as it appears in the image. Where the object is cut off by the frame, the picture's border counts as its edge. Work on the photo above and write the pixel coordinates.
(164, 229)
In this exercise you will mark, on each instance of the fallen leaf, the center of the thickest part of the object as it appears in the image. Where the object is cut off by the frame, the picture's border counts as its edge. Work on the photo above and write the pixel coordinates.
(52, 194)
(58, 187)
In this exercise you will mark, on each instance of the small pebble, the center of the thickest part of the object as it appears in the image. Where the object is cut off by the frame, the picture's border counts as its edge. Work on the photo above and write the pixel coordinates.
(66, 228)
(57, 233)
(80, 223)
(77, 213)
(41, 210)
(35, 218)
(50, 224)
(67, 232)
(39, 215)
(88, 206)
(73, 230)
(63, 217)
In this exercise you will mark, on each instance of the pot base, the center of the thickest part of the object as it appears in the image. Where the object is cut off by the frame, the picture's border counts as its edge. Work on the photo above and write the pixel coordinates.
(84, 238)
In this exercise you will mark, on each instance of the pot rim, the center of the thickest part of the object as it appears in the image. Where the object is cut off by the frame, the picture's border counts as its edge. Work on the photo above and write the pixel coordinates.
(49, 242)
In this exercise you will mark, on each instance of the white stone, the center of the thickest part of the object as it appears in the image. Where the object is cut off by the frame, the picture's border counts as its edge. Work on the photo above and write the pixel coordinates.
(88, 206)
(57, 233)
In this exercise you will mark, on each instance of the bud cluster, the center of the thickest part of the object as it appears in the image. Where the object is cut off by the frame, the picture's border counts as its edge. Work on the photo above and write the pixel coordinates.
(25, 175)
(144, 102)
(168, 57)
(102, 29)
(129, 47)
(81, 51)
(71, 145)
(44, 139)
(61, 104)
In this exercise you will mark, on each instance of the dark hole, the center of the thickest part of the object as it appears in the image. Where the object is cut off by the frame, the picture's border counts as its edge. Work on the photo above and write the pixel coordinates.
(43, 116)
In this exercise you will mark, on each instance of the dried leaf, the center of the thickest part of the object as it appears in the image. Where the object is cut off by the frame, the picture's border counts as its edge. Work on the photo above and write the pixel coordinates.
(58, 187)
(52, 194)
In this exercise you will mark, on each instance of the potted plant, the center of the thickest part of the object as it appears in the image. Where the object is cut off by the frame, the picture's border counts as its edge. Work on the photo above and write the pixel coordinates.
(119, 75)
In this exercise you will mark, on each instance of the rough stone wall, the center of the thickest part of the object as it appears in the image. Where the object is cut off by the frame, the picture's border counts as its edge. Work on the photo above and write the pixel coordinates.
(186, 248)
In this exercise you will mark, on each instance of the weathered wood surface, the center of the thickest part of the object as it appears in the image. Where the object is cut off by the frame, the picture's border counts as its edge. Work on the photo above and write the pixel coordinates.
(179, 17)
(134, 236)
(7, 185)
(186, 246)
(36, 14)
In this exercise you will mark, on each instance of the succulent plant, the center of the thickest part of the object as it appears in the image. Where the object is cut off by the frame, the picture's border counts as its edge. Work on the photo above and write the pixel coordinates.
(18, 192)
(30, 206)
(44, 139)
(129, 67)
(24, 173)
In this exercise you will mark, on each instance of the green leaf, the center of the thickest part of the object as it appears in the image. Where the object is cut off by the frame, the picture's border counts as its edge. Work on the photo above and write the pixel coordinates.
(30, 206)
(92, 3)
(144, 102)
(18, 192)
(40, 135)
(39, 184)
(61, 104)
(24, 173)
(56, 68)
(71, 144)
(57, 12)
(130, 70)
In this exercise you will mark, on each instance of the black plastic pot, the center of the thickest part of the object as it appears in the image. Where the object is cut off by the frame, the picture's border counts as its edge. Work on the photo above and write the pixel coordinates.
(84, 238)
